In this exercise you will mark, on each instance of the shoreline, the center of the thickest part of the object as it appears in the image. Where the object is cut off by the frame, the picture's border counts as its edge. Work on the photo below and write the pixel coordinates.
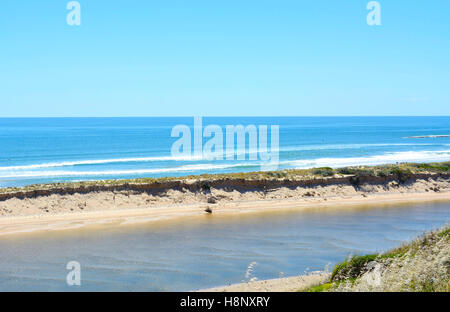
(44, 208)
(284, 284)
(136, 216)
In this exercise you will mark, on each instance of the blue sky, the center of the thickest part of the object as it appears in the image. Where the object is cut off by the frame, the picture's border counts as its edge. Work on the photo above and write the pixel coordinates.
(224, 58)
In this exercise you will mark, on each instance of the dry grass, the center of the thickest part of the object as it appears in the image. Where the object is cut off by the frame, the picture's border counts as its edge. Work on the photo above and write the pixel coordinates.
(422, 265)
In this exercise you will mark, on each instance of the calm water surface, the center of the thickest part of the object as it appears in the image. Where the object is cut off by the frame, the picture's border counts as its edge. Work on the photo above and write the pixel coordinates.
(209, 251)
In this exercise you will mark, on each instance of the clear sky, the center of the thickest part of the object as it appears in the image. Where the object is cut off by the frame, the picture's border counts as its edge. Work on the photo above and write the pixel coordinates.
(224, 58)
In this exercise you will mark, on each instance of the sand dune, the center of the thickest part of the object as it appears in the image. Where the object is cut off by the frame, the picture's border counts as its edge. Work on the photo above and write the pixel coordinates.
(98, 207)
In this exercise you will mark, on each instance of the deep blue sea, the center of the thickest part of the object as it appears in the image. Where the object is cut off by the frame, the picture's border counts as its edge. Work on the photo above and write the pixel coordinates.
(42, 150)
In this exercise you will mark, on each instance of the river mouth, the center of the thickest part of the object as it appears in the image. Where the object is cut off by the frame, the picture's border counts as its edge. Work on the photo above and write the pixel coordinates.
(205, 252)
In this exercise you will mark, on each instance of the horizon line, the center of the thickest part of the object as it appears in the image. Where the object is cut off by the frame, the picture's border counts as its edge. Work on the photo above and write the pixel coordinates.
(219, 116)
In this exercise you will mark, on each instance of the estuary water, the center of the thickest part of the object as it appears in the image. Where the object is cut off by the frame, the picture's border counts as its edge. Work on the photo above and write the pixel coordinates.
(209, 251)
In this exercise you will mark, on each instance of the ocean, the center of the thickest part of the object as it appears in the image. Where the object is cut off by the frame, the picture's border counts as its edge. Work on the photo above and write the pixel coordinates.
(48, 150)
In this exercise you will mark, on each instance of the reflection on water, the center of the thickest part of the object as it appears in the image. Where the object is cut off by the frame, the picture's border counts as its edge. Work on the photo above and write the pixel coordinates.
(209, 251)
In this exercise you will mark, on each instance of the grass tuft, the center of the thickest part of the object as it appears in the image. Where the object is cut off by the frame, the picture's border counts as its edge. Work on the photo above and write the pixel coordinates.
(351, 268)
(320, 288)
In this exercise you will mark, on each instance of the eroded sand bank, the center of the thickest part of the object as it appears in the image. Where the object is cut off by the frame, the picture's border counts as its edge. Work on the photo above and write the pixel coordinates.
(68, 211)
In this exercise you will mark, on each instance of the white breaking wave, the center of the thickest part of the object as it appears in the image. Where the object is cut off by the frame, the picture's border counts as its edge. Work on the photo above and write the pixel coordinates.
(99, 162)
(387, 158)
(199, 167)
(432, 136)
(199, 158)
(355, 146)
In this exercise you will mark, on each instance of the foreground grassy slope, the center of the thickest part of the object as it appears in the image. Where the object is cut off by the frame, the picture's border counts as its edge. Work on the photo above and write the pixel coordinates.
(422, 265)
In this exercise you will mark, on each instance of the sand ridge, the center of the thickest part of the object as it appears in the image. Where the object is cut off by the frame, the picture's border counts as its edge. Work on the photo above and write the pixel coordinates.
(59, 212)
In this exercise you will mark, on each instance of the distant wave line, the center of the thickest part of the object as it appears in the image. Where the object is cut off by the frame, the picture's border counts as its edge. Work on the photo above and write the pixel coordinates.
(387, 158)
(99, 162)
(428, 136)
(117, 172)
(199, 158)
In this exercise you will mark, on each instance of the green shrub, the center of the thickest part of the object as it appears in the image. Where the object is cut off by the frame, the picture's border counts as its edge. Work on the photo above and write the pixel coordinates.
(346, 170)
(382, 172)
(324, 171)
(402, 174)
(320, 288)
(445, 233)
(351, 268)
(434, 166)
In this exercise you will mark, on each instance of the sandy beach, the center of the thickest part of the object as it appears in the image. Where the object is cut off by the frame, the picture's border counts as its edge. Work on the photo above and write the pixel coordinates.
(287, 284)
(20, 213)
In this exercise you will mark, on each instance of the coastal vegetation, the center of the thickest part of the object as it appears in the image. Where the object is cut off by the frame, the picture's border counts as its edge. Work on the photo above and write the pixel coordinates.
(354, 175)
(422, 265)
